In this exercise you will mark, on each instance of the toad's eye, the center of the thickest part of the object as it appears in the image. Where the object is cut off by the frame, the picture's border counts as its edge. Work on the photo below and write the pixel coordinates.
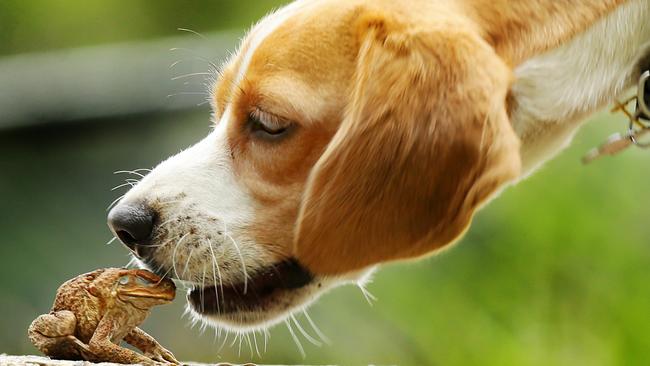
(142, 282)
(267, 127)
(123, 280)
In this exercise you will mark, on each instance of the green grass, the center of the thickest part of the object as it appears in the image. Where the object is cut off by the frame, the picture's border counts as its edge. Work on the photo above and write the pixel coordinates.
(556, 271)
(38, 26)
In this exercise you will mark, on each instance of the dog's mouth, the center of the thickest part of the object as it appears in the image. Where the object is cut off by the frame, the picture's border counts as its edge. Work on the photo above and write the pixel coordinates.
(255, 294)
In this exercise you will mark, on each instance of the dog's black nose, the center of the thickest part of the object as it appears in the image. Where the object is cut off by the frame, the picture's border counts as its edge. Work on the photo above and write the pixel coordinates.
(132, 224)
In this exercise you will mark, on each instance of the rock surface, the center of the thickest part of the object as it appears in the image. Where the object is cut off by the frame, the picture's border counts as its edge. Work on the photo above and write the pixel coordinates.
(7, 360)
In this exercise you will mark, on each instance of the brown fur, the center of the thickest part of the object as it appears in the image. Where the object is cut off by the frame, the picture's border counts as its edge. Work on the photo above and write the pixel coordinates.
(521, 29)
(405, 172)
(401, 124)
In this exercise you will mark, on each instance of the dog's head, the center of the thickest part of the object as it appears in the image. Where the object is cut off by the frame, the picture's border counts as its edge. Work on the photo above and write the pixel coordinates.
(343, 138)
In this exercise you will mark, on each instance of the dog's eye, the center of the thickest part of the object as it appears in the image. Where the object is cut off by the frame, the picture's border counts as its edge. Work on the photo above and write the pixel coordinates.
(268, 127)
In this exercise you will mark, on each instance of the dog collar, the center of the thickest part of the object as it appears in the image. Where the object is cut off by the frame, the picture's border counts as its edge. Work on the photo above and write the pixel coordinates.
(643, 98)
(638, 126)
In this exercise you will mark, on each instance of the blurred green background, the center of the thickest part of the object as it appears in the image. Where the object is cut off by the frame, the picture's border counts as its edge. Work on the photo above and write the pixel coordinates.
(554, 272)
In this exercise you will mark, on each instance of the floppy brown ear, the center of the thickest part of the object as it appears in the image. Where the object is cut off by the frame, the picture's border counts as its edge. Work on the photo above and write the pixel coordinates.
(425, 140)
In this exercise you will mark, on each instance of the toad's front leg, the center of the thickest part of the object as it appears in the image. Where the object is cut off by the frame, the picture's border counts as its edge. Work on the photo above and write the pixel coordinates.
(106, 351)
(149, 346)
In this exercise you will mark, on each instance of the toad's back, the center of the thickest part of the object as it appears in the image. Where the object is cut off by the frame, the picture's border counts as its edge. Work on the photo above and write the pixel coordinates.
(74, 295)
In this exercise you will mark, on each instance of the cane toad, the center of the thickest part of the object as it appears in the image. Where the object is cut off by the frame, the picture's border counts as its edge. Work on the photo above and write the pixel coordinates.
(94, 312)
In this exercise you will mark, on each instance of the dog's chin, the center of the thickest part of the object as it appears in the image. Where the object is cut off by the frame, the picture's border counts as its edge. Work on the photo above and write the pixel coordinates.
(270, 296)
(267, 297)
(264, 299)
(262, 314)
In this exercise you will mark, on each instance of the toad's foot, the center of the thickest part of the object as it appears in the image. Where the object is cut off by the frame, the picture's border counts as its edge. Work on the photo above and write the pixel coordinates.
(161, 354)
(149, 346)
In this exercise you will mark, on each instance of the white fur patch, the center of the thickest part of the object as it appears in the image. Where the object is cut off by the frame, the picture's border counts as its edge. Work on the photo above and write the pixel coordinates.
(202, 211)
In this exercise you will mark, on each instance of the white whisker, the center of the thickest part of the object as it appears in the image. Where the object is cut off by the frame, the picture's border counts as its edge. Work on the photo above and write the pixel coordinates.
(223, 343)
(241, 337)
(369, 297)
(110, 241)
(178, 243)
(214, 275)
(202, 292)
(167, 222)
(250, 345)
(193, 322)
(295, 339)
(307, 336)
(197, 56)
(190, 75)
(186, 311)
(241, 257)
(115, 202)
(320, 334)
(129, 172)
(220, 277)
(165, 274)
(187, 262)
(188, 83)
(234, 339)
(202, 328)
(187, 93)
(192, 31)
(186, 285)
(173, 64)
(122, 185)
(131, 262)
(257, 350)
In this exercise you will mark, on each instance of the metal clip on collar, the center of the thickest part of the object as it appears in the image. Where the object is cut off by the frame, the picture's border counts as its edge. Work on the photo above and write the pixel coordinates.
(642, 113)
(643, 96)
(638, 127)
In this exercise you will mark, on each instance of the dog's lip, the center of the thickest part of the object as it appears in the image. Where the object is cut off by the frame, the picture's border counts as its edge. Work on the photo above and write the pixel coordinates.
(260, 288)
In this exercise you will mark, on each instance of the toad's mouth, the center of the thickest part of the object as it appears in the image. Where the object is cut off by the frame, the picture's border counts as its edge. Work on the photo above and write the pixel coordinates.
(256, 294)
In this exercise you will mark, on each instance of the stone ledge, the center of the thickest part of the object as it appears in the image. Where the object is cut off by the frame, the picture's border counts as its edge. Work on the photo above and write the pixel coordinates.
(8, 360)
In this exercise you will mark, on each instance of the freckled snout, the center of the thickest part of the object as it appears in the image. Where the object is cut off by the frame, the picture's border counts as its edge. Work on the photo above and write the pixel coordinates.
(132, 224)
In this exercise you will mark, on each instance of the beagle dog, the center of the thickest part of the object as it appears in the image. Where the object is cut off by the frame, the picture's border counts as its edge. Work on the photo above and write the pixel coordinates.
(350, 133)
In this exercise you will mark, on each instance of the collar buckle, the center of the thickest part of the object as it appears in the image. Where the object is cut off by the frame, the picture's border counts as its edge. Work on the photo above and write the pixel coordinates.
(643, 98)
(639, 123)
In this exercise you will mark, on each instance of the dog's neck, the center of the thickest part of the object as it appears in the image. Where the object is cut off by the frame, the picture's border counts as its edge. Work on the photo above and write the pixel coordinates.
(519, 30)
(553, 91)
